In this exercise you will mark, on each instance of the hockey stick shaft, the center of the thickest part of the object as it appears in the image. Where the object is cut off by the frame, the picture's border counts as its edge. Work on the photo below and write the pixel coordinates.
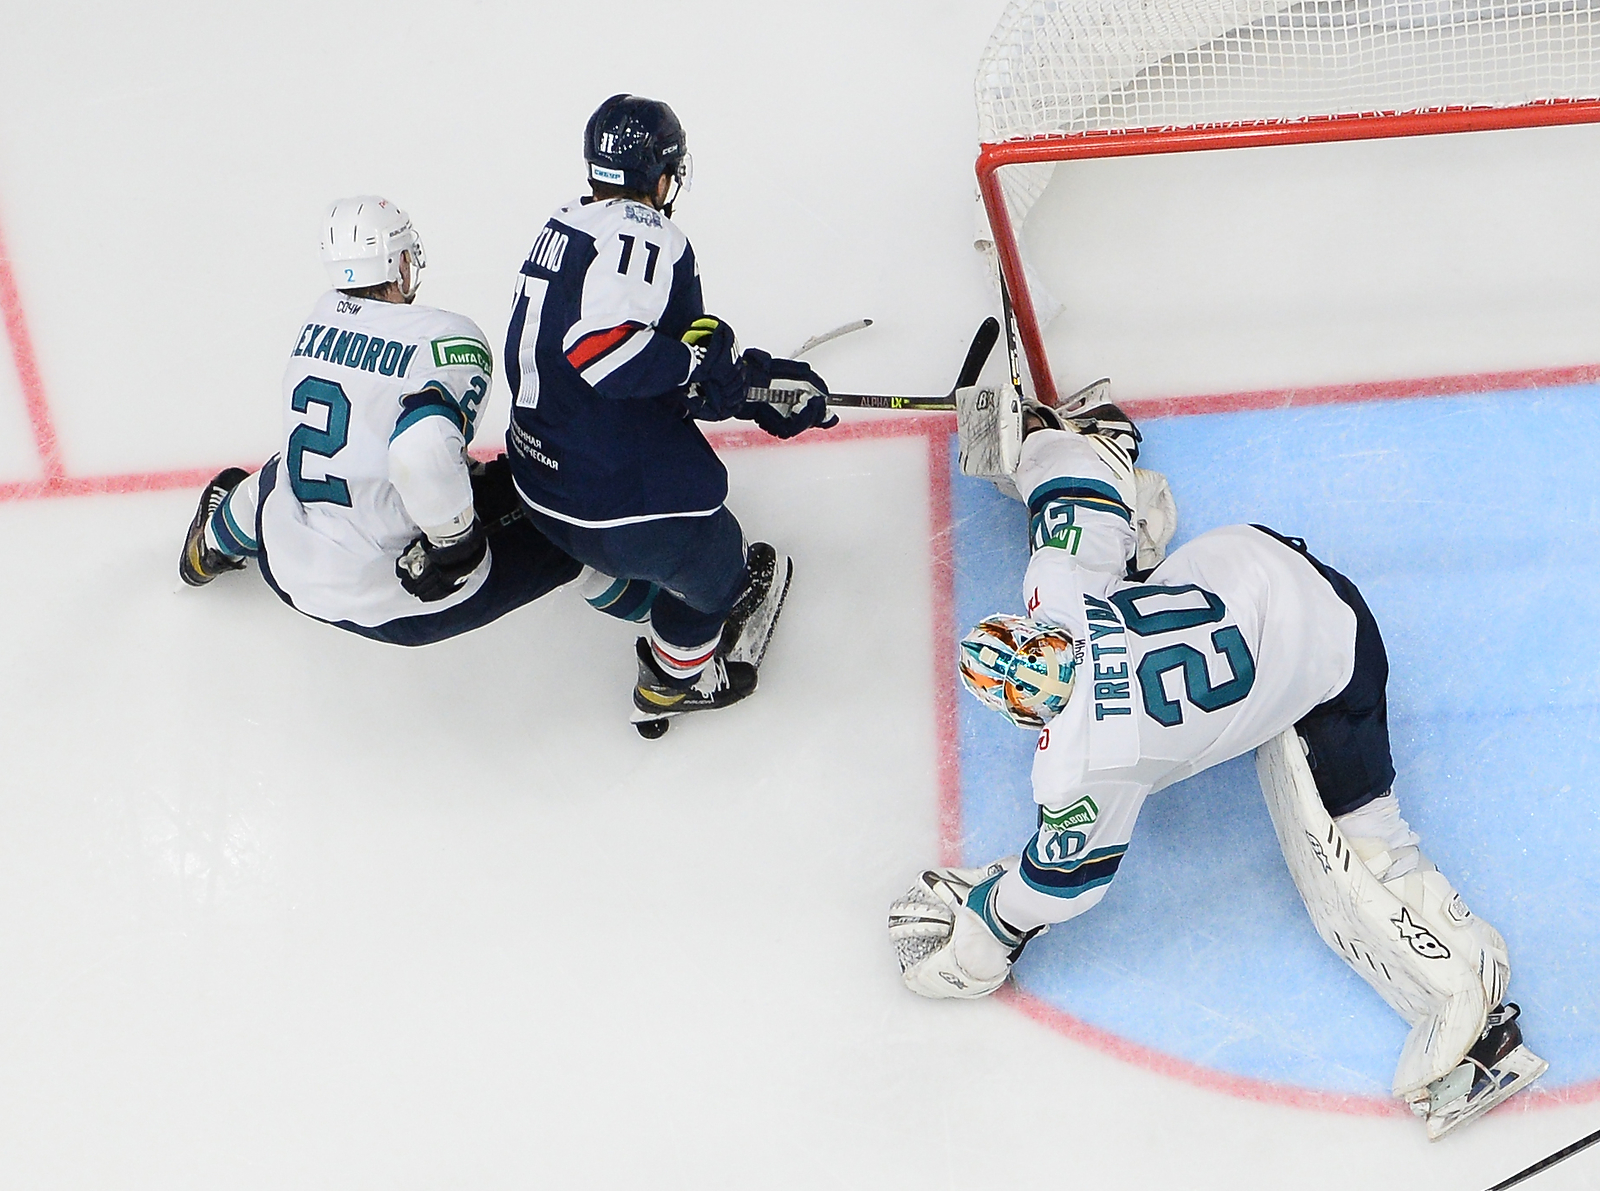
(977, 355)
(1582, 1143)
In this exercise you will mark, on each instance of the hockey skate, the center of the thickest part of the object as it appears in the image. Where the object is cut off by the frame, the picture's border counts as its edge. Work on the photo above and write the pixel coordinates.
(199, 564)
(1496, 1068)
(1092, 394)
(657, 701)
(748, 629)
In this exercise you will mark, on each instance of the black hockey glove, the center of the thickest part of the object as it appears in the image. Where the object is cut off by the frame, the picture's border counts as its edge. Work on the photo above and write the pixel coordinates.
(784, 421)
(1112, 424)
(432, 572)
(494, 495)
(716, 387)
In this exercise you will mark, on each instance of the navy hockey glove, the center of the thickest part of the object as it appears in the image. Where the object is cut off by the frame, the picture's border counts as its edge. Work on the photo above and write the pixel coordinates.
(431, 572)
(784, 421)
(716, 384)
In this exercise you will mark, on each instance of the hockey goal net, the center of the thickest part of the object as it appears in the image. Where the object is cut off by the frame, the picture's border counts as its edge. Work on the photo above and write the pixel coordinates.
(1064, 80)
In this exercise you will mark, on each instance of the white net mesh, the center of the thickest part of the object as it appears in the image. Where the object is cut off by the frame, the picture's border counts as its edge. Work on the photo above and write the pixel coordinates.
(1076, 66)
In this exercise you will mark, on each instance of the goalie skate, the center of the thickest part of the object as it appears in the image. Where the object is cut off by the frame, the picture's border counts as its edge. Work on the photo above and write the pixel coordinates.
(1496, 1068)
(748, 630)
(1093, 394)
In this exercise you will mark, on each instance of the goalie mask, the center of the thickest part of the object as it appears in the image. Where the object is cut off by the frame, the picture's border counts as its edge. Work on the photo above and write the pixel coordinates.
(1019, 667)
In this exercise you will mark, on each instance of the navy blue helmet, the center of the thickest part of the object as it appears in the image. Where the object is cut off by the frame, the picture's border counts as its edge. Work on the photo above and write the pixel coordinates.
(631, 141)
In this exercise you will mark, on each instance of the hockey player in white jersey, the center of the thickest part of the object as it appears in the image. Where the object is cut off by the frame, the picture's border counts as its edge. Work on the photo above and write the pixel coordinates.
(371, 516)
(1239, 640)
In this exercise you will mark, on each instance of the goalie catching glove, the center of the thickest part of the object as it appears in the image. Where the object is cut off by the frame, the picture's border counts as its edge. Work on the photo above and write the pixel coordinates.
(948, 939)
(722, 377)
(433, 570)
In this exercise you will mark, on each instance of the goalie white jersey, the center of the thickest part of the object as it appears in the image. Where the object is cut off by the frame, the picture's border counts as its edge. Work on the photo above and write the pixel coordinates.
(1232, 639)
(379, 403)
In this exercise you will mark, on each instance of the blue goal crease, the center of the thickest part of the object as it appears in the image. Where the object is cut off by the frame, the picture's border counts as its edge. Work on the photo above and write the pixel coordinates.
(1490, 610)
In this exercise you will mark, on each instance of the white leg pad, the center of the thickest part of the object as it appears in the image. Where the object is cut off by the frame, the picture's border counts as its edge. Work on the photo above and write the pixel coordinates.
(1426, 966)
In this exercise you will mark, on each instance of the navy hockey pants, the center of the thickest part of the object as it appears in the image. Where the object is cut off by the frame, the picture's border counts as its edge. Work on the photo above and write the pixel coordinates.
(698, 562)
(524, 565)
(1349, 734)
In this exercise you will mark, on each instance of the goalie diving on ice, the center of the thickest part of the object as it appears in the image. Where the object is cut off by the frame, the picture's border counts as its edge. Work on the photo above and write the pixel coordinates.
(1138, 670)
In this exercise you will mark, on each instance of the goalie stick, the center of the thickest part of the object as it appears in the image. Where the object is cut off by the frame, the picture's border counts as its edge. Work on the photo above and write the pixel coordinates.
(1582, 1143)
(977, 355)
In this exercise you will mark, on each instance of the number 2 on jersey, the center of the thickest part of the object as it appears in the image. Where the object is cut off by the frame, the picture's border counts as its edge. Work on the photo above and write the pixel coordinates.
(1197, 686)
(325, 444)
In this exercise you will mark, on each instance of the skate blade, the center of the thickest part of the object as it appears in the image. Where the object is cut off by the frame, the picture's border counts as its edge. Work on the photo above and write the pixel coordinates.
(652, 725)
(757, 632)
(1513, 1073)
(1095, 393)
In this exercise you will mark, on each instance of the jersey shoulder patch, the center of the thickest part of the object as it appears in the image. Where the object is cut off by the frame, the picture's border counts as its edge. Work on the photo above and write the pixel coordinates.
(455, 340)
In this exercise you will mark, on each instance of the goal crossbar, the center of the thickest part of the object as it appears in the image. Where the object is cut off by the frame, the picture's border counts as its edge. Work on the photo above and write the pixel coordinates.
(1080, 146)
(1073, 80)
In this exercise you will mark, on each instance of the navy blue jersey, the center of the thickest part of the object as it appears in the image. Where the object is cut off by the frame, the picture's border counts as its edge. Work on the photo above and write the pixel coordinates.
(600, 433)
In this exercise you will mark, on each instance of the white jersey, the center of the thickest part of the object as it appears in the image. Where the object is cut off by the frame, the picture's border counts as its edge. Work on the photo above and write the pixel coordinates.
(1232, 639)
(379, 404)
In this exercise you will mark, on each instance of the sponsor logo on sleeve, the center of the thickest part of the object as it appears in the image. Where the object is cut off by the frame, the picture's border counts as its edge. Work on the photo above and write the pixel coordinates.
(463, 349)
(1079, 814)
(1060, 841)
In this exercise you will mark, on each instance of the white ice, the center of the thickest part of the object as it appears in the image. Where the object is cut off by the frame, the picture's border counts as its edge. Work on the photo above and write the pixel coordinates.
(283, 908)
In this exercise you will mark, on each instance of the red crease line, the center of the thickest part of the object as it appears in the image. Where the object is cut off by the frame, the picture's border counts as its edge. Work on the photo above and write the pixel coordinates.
(27, 365)
(1386, 390)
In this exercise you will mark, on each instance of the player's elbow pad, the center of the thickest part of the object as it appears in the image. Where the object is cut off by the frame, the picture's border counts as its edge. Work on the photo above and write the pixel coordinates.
(428, 468)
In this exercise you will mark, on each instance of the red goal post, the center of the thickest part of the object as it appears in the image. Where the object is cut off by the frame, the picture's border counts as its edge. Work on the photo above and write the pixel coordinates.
(1068, 80)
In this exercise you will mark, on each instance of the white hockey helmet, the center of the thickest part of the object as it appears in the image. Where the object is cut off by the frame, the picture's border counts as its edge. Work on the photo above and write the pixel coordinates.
(1019, 667)
(363, 239)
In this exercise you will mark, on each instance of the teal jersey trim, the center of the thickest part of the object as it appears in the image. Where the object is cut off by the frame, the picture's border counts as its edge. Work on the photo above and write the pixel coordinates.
(433, 400)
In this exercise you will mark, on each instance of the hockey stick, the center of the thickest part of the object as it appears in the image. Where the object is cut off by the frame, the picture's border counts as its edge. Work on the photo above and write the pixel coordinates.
(829, 336)
(977, 355)
(1582, 1143)
(1011, 337)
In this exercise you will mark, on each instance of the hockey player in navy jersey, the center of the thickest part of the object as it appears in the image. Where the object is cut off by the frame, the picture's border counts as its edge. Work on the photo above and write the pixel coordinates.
(371, 516)
(1135, 680)
(612, 360)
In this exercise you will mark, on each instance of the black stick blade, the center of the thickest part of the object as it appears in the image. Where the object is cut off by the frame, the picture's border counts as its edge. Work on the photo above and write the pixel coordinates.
(978, 354)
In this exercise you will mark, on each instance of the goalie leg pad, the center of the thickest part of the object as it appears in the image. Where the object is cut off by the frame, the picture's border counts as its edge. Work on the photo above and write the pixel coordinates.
(1422, 959)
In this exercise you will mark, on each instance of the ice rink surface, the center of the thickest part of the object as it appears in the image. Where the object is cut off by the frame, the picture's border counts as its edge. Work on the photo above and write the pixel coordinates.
(280, 907)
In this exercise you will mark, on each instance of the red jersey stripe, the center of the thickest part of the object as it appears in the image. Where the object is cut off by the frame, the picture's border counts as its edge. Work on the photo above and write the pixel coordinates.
(597, 343)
